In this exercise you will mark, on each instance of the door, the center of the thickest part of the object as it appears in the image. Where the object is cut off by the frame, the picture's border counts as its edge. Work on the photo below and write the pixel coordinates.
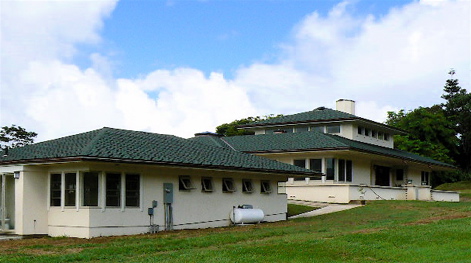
(382, 175)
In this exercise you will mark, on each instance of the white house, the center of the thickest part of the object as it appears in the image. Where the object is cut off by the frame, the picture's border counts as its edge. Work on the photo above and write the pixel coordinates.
(107, 182)
(356, 156)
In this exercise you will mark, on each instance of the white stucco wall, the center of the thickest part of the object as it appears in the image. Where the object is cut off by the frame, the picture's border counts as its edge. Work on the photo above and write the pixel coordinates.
(191, 209)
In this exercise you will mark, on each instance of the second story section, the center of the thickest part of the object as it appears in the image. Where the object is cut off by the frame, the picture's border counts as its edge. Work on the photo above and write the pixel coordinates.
(342, 122)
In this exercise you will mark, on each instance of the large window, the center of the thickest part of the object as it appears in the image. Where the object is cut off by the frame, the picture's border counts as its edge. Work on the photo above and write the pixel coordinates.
(315, 165)
(132, 189)
(90, 189)
(113, 189)
(70, 188)
(345, 170)
(330, 171)
(56, 183)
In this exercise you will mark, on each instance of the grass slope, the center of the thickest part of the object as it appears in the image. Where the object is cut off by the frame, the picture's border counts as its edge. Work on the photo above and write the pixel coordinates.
(382, 231)
(464, 188)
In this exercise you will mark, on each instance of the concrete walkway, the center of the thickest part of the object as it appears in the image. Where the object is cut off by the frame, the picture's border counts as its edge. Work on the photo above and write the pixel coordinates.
(326, 208)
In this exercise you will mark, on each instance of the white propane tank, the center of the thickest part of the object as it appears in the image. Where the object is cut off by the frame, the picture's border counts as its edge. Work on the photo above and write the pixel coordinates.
(246, 216)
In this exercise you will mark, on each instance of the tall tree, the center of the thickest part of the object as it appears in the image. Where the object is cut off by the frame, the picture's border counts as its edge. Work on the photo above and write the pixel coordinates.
(15, 136)
(457, 109)
(430, 133)
(230, 129)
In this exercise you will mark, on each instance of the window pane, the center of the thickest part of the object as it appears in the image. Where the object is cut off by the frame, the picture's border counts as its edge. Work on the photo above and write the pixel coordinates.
(360, 130)
(90, 189)
(207, 184)
(265, 187)
(132, 189)
(333, 129)
(302, 129)
(247, 186)
(349, 172)
(399, 175)
(318, 128)
(113, 189)
(330, 162)
(184, 183)
(56, 189)
(70, 188)
(342, 170)
(300, 163)
(228, 185)
(316, 165)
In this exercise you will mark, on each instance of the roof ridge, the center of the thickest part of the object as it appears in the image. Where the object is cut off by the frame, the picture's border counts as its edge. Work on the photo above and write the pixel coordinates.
(101, 132)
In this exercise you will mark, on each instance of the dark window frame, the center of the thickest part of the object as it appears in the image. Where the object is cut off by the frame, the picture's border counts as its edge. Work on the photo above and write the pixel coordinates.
(133, 190)
(207, 184)
(228, 185)
(247, 186)
(265, 187)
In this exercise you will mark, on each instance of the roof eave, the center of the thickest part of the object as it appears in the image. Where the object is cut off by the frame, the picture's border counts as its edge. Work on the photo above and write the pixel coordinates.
(149, 162)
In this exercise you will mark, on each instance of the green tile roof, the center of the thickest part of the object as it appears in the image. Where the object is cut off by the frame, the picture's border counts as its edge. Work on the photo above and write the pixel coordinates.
(320, 114)
(108, 144)
(316, 115)
(312, 141)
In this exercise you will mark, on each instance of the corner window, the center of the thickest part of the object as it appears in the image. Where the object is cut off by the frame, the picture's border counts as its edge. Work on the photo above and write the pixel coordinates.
(185, 183)
(90, 189)
(113, 189)
(228, 185)
(70, 189)
(333, 129)
(300, 163)
(207, 184)
(55, 185)
(265, 187)
(132, 189)
(247, 186)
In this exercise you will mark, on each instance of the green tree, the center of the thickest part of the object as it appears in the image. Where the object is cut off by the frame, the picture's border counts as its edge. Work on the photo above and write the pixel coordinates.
(230, 129)
(430, 133)
(15, 136)
(457, 109)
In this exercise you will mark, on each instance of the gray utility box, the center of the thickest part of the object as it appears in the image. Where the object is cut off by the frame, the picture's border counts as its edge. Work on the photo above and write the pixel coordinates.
(168, 193)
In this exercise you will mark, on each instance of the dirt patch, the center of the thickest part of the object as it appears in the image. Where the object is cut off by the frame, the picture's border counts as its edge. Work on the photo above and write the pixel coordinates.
(439, 218)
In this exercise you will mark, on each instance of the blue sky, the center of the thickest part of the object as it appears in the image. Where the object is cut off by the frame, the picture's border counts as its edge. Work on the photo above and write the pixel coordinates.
(208, 35)
(182, 67)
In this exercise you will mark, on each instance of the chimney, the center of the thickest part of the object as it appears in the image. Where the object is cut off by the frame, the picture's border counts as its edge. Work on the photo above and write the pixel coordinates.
(346, 105)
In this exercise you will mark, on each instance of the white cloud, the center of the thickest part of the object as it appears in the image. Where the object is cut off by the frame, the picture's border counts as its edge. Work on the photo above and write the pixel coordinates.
(397, 61)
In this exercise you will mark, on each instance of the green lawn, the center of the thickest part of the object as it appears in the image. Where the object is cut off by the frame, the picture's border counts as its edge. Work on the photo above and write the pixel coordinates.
(464, 188)
(294, 209)
(382, 231)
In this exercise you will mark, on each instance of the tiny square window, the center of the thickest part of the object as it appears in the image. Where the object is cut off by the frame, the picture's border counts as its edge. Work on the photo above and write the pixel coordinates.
(247, 186)
(207, 184)
(360, 130)
(184, 183)
(228, 185)
(265, 187)
(373, 133)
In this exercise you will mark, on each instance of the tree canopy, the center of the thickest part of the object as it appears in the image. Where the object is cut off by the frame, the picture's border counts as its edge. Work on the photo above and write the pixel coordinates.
(230, 129)
(15, 136)
(441, 132)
